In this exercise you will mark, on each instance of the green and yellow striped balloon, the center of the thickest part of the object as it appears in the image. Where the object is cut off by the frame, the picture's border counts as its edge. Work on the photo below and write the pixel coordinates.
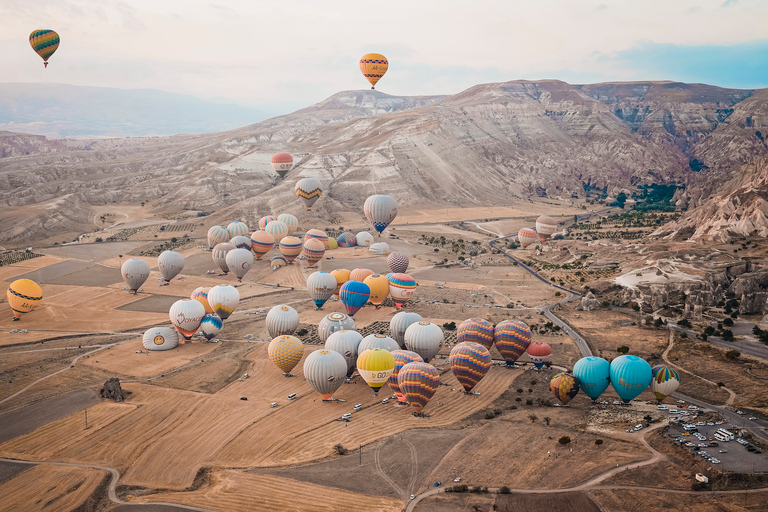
(44, 42)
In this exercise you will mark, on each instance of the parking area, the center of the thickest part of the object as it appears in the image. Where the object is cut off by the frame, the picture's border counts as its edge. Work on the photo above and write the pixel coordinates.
(733, 456)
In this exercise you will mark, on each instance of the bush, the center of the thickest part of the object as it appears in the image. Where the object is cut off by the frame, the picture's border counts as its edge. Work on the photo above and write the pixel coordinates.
(519, 390)
(504, 490)
(340, 449)
(605, 303)
(623, 349)
(557, 294)
(449, 326)
(732, 354)
(533, 418)
(598, 442)
(547, 419)
(684, 323)
(301, 332)
(565, 440)
(728, 335)
(529, 402)
(728, 322)
(636, 306)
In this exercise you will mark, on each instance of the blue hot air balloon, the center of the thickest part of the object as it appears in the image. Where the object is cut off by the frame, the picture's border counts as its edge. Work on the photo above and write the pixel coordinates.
(594, 373)
(354, 295)
(630, 375)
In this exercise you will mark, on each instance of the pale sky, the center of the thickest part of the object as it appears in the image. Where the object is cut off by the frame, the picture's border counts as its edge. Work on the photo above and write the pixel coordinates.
(284, 54)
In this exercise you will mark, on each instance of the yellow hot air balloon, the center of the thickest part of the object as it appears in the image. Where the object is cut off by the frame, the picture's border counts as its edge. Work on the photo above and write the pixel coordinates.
(379, 286)
(23, 296)
(375, 365)
(373, 67)
(342, 276)
(200, 294)
(44, 42)
(286, 352)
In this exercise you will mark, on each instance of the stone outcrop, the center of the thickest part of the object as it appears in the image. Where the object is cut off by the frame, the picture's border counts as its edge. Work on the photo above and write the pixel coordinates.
(588, 303)
(112, 390)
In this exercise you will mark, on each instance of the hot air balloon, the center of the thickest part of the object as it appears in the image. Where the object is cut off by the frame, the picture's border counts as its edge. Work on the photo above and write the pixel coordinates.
(285, 352)
(379, 248)
(354, 295)
(239, 262)
(313, 251)
(375, 365)
(345, 342)
(347, 239)
(24, 295)
(342, 276)
(210, 326)
(170, 263)
(261, 243)
(186, 315)
(264, 221)
(160, 338)
(564, 386)
(277, 229)
(418, 382)
(424, 338)
(469, 363)
(402, 357)
(630, 375)
(332, 243)
(200, 294)
(317, 234)
(308, 190)
(237, 229)
(325, 370)
(219, 255)
(378, 341)
(373, 66)
(665, 381)
(282, 319)
(379, 286)
(217, 235)
(241, 242)
(135, 272)
(223, 300)
(545, 227)
(289, 220)
(333, 322)
(400, 323)
(44, 42)
(512, 338)
(397, 262)
(526, 237)
(290, 247)
(539, 353)
(321, 286)
(380, 211)
(476, 330)
(281, 163)
(364, 239)
(277, 262)
(359, 274)
(401, 288)
(594, 374)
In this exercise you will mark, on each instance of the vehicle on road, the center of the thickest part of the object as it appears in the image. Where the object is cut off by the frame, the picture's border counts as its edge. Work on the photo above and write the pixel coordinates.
(413, 496)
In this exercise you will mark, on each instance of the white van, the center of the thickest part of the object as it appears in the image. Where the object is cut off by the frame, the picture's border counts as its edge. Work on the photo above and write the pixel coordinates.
(292, 396)
(273, 404)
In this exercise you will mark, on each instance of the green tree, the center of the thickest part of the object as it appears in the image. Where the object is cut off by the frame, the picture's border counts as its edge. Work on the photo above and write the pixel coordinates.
(598, 442)
(728, 335)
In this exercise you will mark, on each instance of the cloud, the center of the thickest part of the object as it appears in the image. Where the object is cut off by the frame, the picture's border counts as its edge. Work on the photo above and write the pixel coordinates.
(729, 3)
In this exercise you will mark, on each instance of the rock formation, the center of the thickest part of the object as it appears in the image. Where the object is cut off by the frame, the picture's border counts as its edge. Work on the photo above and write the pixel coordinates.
(588, 303)
(112, 390)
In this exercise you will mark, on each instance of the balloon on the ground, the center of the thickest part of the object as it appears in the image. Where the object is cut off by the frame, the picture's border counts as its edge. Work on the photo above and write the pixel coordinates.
(359, 274)
(210, 326)
(630, 375)
(380, 210)
(170, 263)
(265, 220)
(290, 247)
(285, 352)
(398, 262)
(665, 381)
(375, 365)
(354, 295)
(289, 220)
(217, 235)
(364, 239)
(44, 42)
(400, 323)
(317, 234)
(186, 315)
(135, 272)
(277, 262)
(526, 237)
(332, 243)
(345, 342)
(402, 357)
(239, 262)
(308, 190)
(469, 363)
(241, 242)
(347, 239)
(200, 294)
(281, 163)
(277, 229)
(378, 341)
(379, 248)
(512, 338)
(379, 286)
(237, 229)
(314, 250)
(476, 330)
(401, 288)
(24, 295)
(373, 66)
(342, 276)
(223, 299)
(564, 386)
(321, 286)
(418, 382)
(160, 338)
(333, 322)
(282, 319)
(539, 353)
(594, 374)
(545, 227)
(424, 338)
(261, 243)
(325, 371)
(219, 255)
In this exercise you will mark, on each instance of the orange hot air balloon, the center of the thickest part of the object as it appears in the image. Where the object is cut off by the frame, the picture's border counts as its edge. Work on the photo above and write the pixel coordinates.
(373, 67)
(281, 163)
(342, 276)
(379, 286)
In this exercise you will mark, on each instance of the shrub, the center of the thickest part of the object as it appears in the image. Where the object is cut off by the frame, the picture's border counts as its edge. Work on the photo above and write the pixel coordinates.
(547, 419)
(732, 354)
(449, 326)
(529, 402)
(728, 335)
(340, 449)
(519, 390)
(728, 322)
(565, 440)
(533, 418)
(684, 323)
(636, 306)
(623, 349)
(504, 490)
(598, 442)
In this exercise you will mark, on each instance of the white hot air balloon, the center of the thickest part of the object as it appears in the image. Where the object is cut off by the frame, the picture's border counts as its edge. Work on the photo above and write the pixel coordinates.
(345, 342)
(217, 235)
(277, 229)
(241, 242)
(526, 237)
(308, 190)
(160, 338)
(321, 286)
(546, 227)
(237, 229)
(364, 239)
(239, 262)
(223, 300)
(170, 263)
(424, 338)
(186, 315)
(377, 341)
(135, 271)
(289, 220)
(325, 371)
(282, 319)
(333, 322)
(219, 255)
(380, 210)
(379, 248)
(400, 323)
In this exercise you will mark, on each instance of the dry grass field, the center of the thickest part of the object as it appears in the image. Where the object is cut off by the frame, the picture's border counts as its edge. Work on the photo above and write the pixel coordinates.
(56, 488)
(562, 502)
(123, 359)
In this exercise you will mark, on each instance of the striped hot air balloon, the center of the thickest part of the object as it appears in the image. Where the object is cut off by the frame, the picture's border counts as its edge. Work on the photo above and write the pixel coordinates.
(401, 288)
(469, 363)
(398, 262)
(277, 229)
(237, 229)
(400, 323)
(333, 322)
(539, 353)
(418, 382)
(359, 274)
(665, 381)
(345, 342)
(308, 190)
(277, 262)
(281, 163)
(317, 234)
(512, 338)
(594, 374)
(282, 319)
(342, 276)
(241, 242)
(290, 220)
(45, 42)
(160, 338)
(223, 300)
(219, 255)
(402, 357)
(313, 251)
(285, 352)
(526, 237)
(476, 330)
(379, 286)
(325, 371)
(24, 295)
(564, 386)
(380, 210)
(321, 286)
(217, 235)
(373, 66)
(265, 220)
(210, 326)
(354, 295)
(290, 248)
(545, 227)
(200, 294)
(261, 243)
(375, 365)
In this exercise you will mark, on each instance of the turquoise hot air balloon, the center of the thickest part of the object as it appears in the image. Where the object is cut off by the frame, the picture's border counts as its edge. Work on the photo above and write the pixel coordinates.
(630, 375)
(594, 374)
(354, 295)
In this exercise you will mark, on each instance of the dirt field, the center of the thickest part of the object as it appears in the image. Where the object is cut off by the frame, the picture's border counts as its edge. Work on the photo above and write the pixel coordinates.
(17, 423)
(124, 360)
(57, 488)
(637, 500)
(464, 502)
